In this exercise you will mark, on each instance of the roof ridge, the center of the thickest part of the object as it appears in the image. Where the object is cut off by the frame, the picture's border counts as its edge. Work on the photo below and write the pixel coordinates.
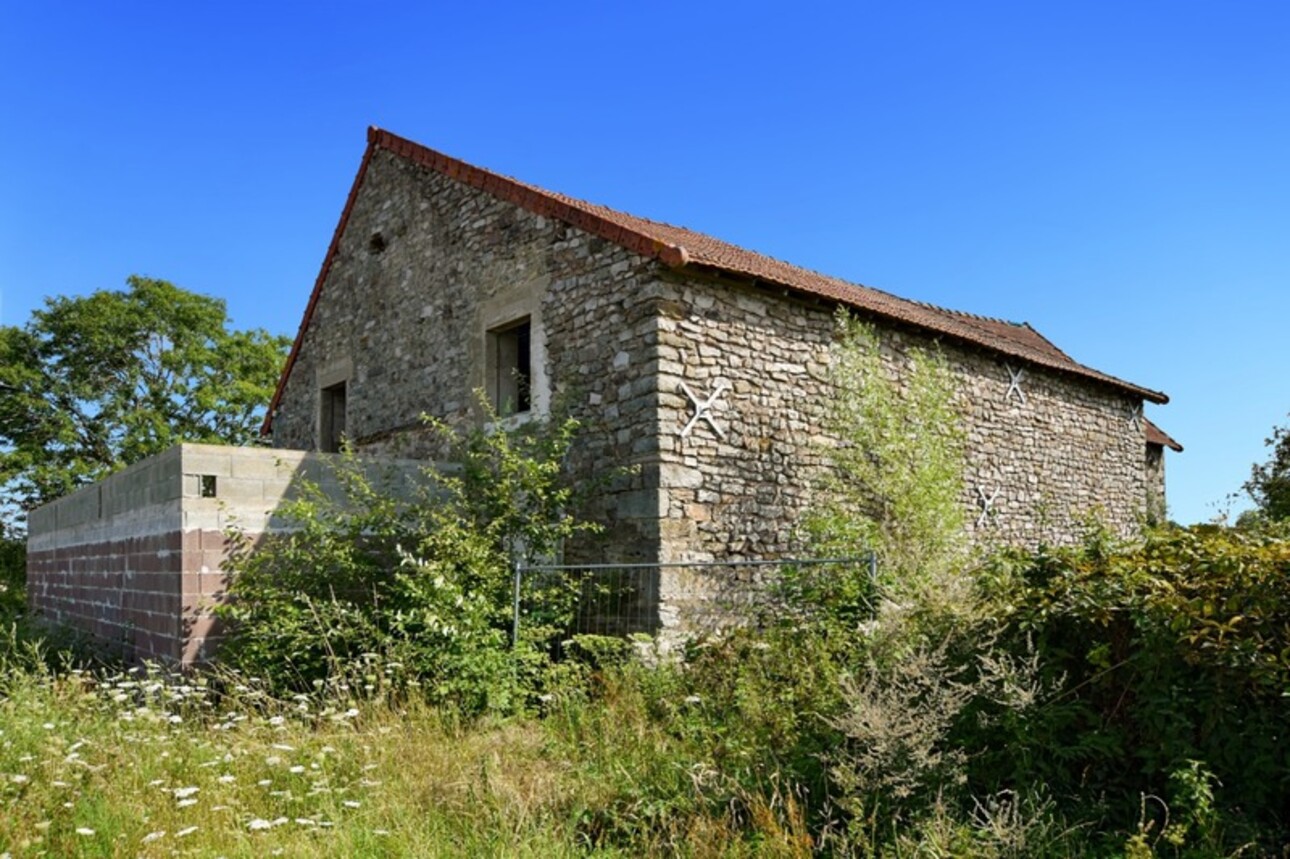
(1040, 335)
(692, 246)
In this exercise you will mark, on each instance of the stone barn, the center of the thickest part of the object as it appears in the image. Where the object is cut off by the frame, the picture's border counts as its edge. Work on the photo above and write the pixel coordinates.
(699, 365)
(699, 371)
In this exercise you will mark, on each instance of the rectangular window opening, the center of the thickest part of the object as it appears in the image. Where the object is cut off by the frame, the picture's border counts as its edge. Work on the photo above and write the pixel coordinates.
(332, 423)
(510, 359)
(206, 485)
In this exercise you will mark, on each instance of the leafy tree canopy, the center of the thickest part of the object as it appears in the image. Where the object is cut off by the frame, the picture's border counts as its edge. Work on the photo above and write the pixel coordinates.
(94, 383)
(1269, 483)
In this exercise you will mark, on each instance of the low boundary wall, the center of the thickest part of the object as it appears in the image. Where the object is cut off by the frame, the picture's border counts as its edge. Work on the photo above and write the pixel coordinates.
(138, 559)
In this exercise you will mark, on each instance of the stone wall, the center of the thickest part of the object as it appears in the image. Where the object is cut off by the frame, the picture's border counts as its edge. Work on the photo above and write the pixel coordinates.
(138, 560)
(1073, 449)
(425, 267)
(1155, 476)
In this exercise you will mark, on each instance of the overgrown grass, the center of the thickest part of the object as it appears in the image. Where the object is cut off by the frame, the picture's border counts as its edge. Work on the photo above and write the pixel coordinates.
(143, 763)
(1000, 728)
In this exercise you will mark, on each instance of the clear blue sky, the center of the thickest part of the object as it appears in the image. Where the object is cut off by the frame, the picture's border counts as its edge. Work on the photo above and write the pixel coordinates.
(1114, 173)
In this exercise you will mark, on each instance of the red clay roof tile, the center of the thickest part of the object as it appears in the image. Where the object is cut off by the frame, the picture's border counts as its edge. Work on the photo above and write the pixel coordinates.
(1155, 435)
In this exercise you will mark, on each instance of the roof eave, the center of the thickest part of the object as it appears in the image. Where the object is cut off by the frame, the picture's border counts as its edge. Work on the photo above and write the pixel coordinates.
(1078, 370)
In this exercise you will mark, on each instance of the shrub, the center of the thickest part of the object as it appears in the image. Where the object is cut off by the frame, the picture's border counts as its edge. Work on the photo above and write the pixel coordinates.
(895, 481)
(1170, 663)
(419, 577)
(13, 576)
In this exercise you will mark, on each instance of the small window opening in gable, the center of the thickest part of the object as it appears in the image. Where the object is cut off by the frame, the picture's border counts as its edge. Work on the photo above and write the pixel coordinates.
(332, 423)
(206, 486)
(376, 244)
(510, 364)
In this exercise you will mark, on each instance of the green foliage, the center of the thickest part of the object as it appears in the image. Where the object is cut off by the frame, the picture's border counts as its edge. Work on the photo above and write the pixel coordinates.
(417, 575)
(1101, 702)
(1269, 483)
(93, 383)
(1170, 662)
(13, 576)
(895, 484)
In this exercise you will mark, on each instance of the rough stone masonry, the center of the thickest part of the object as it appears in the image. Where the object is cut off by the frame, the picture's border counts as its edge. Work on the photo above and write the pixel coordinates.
(699, 370)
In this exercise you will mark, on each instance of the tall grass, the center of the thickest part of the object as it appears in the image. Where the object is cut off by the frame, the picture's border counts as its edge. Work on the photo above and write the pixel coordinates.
(145, 763)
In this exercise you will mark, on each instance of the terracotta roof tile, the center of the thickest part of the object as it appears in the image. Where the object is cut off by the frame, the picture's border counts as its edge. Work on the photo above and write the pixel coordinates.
(1155, 435)
(680, 247)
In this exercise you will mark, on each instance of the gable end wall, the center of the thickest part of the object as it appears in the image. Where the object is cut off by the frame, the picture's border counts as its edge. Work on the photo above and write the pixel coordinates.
(403, 319)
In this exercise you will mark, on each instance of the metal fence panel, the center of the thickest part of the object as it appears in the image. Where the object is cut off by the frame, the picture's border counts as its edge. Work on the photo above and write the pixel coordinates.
(688, 598)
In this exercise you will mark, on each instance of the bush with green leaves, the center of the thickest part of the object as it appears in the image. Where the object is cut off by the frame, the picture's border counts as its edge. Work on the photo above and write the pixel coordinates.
(894, 481)
(418, 576)
(1168, 662)
(13, 576)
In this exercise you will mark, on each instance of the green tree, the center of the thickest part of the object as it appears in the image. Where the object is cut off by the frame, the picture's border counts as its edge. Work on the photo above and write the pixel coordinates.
(13, 575)
(93, 383)
(1269, 483)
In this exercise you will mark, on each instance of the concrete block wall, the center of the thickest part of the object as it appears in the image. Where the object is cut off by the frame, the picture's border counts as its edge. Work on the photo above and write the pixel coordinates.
(139, 559)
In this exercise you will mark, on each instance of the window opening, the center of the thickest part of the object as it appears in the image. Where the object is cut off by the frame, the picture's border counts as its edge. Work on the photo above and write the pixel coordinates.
(206, 486)
(333, 419)
(510, 357)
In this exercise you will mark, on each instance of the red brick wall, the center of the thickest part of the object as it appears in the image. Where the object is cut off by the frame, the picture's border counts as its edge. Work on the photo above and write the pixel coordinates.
(125, 592)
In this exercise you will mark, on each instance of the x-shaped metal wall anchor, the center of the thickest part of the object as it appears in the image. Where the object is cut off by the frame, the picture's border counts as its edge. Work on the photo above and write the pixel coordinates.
(987, 504)
(1135, 415)
(1014, 385)
(703, 408)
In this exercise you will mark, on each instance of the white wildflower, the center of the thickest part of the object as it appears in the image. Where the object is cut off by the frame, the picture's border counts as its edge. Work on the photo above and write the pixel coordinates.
(258, 824)
(351, 803)
(226, 779)
(184, 803)
(185, 792)
(84, 830)
(20, 778)
(186, 831)
(153, 836)
(297, 769)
